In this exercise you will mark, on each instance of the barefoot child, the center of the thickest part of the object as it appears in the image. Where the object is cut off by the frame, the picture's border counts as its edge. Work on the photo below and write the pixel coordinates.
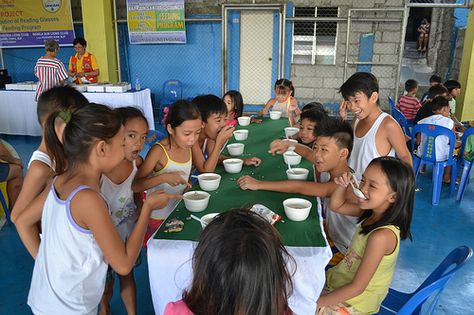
(360, 282)
(124, 205)
(79, 237)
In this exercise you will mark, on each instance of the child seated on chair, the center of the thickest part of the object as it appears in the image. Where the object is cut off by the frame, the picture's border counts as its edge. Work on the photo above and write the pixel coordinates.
(454, 89)
(440, 117)
(408, 104)
(425, 110)
(283, 102)
(11, 171)
(235, 107)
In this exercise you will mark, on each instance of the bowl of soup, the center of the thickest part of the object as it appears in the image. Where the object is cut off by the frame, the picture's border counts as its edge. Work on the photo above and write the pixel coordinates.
(196, 201)
(291, 158)
(297, 209)
(241, 135)
(244, 120)
(233, 166)
(291, 131)
(209, 181)
(297, 173)
(275, 115)
(235, 149)
(206, 219)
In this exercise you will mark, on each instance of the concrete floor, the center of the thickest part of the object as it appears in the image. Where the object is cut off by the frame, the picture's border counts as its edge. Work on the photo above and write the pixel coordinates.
(436, 231)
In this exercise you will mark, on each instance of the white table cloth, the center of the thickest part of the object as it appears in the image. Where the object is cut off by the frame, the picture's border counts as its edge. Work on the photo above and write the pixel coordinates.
(170, 272)
(18, 108)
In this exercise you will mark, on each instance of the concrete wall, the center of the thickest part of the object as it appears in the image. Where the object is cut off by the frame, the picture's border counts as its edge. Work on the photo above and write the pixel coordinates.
(458, 53)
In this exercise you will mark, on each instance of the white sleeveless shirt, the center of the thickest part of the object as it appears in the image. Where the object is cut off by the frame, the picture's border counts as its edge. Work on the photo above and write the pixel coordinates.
(69, 272)
(364, 149)
(119, 198)
(42, 157)
(340, 227)
(282, 107)
(171, 166)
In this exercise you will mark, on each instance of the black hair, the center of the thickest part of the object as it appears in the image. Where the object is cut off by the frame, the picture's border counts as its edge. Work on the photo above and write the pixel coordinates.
(314, 115)
(452, 84)
(85, 126)
(315, 106)
(180, 111)
(363, 82)
(338, 129)
(240, 267)
(437, 89)
(59, 98)
(129, 112)
(401, 179)
(210, 104)
(283, 86)
(79, 40)
(439, 102)
(410, 85)
(435, 78)
(237, 100)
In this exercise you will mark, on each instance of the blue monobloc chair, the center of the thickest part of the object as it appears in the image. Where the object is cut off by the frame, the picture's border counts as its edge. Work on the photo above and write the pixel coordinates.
(467, 164)
(172, 91)
(402, 121)
(410, 303)
(391, 102)
(153, 137)
(431, 132)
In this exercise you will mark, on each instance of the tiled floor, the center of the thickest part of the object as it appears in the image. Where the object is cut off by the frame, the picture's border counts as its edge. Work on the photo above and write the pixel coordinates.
(436, 231)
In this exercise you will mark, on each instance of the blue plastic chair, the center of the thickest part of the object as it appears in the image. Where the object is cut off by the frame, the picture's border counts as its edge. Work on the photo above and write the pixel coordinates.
(429, 156)
(467, 165)
(402, 121)
(391, 102)
(411, 303)
(172, 91)
(3, 201)
(153, 137)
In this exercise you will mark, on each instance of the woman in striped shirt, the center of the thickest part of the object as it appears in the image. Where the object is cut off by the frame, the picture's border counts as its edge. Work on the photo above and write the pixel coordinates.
(49, 70)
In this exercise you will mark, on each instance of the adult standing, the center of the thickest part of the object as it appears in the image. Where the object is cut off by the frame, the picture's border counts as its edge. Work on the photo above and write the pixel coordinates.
(49, 70)
(83, 65)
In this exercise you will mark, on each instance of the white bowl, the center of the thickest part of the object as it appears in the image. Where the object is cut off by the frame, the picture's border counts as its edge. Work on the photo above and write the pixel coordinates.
(241, 135)
(291, 158)
(244, 120)
(206, 219)
(209, 181)
(233, 166)
(297, 209)
(291, 131)
(275, 115)
(297, 174)
(236, 149)
(196, 201)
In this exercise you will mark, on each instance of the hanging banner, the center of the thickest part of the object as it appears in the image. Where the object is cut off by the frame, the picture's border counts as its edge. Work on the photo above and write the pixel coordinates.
(27, 23)
(156, 22)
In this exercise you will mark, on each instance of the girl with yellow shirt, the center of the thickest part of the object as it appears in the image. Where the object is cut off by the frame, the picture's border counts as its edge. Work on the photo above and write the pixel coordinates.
(360, 282)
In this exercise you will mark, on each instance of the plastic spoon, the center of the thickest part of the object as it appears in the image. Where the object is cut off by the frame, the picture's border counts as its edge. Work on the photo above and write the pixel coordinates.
(198, 219)
(356, 189)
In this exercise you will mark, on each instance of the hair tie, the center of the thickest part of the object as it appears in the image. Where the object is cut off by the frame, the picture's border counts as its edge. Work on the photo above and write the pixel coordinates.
(65, 115)
(165, 114)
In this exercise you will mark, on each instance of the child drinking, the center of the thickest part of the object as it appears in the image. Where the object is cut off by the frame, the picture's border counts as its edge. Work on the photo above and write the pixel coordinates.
(283, 102)
(360, 282)
(79, 237)
(240, 267)
(116, 187)
(168, 163)
(235, 107)
(41, 167)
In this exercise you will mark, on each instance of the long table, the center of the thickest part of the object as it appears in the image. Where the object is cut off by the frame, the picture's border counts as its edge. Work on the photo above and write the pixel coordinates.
(18, 108)
(170, 254)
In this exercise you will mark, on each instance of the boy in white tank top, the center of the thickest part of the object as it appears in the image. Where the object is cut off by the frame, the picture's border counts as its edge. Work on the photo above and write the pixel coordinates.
(375, 133)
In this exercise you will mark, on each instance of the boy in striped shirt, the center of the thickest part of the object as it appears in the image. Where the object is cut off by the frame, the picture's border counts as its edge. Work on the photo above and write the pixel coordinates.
(49, 70)
(408, 104)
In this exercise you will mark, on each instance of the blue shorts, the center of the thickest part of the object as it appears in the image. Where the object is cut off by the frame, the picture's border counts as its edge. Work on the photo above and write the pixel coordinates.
(4, 170)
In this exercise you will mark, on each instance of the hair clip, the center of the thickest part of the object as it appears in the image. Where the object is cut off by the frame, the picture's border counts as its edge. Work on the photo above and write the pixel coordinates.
(65, 115)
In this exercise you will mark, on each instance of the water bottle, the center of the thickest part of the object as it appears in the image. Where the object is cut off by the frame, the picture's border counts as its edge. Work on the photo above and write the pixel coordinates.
(138, 86)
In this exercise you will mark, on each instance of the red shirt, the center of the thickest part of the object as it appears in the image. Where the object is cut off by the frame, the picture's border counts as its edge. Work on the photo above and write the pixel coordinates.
(409, 106)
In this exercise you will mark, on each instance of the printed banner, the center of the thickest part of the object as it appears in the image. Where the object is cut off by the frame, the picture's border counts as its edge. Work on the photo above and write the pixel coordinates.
(156, 22)
(28, 23)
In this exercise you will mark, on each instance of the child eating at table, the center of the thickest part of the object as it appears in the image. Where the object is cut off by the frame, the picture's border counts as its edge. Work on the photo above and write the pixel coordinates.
(78, 236)
(41, 167)
(376, 133)
(360, 282)
(235, 107)
(240, 266)
(283, 102)
(167, 165)
(124, 205)
(331, 151)
(214, 135)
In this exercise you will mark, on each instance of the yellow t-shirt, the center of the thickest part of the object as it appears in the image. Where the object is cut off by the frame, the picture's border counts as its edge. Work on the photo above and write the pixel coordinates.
(343, 273)
(79, 62)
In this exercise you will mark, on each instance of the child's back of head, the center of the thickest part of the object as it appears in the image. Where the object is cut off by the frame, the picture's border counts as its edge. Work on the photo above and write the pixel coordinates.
(239, 268)
(435, 79)
(59, 98)
(438, 103)
(452, 84)
(436, 90)
(411, 85)
(314, 106)
(209, 105)
(362, 82)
